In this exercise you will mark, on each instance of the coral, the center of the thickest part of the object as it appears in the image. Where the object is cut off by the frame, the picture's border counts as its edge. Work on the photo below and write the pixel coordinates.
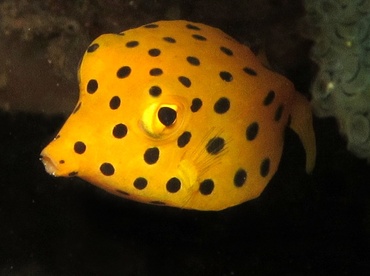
(341, 34)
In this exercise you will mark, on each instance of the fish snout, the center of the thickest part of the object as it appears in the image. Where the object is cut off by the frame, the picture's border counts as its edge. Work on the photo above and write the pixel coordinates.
(57, 162)
(49, 164)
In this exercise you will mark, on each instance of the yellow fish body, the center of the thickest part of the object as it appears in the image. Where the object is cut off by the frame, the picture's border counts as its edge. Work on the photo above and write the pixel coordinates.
(180, 114)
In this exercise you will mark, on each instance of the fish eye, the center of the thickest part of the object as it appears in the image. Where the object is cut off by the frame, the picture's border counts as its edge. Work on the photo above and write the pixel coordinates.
(159, 119)
(167, 115)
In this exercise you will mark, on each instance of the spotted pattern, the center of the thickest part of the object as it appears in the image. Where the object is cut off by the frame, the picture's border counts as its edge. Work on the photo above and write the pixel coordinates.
(279, 113)
(155, 72)
(173, 185)
(226, 76)
(269, 98)
(206, 187)
(92, 86)
(185, 81)
(222, 105)
(92, 48)
(132, 44)
(155, 91)
(215, 145)
(265, 167)
(193, 61)
(196, 104)
(107, 169)
(252, 131)
(192, 27)
(191, 143)
(79, 147)
(250, 71)
(119, 131)
(151, 156)
(140, 183)
(184, 139)
(169, 39)
(168, 116)
(154, 52)
(240, 178)
(226, 51)
(115, 102)
(123, 72)
(199, 37)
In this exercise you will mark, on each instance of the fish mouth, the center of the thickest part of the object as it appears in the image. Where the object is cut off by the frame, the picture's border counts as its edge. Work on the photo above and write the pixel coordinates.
(49, 164)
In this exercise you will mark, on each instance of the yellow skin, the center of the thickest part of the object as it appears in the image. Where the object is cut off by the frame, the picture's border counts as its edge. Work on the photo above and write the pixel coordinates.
(230, 145)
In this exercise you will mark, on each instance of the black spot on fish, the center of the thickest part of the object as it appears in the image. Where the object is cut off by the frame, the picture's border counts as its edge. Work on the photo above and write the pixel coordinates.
(250, 71)
(196, 104)
(123, 72)
(226, 76)
(92, 86)
(215, 145)
(222, 105)
(155, 72)
(193, 61)
(192, 27)
(155, 91)
(151, 155)
(92, 48)
(269, 98)
(119, 131)
(140, 183)
(132, 44)
(206, 187)
(279, 113)
(169, 39)
(226, 51)
(252, 131)
(240, 177)
(265, 167)
(115, 102)
(154, 52)
(173, 185)
(199, 37)
(185, 81)
(79, 147)
(183, 139)
(107, 169)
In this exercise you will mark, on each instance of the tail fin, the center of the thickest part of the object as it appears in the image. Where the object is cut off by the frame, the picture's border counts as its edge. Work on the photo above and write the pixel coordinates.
(301, 123)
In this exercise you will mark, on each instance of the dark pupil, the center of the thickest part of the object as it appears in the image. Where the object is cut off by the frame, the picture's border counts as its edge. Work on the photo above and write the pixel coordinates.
(167, 115)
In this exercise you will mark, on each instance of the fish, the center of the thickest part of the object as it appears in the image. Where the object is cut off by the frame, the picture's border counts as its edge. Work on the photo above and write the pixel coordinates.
(180, 114)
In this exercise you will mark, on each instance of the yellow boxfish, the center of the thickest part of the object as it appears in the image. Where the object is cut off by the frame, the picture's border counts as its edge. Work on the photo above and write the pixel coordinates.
(180, 114)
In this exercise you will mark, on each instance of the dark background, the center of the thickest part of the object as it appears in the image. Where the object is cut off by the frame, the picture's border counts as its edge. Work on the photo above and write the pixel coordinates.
(316, 224)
